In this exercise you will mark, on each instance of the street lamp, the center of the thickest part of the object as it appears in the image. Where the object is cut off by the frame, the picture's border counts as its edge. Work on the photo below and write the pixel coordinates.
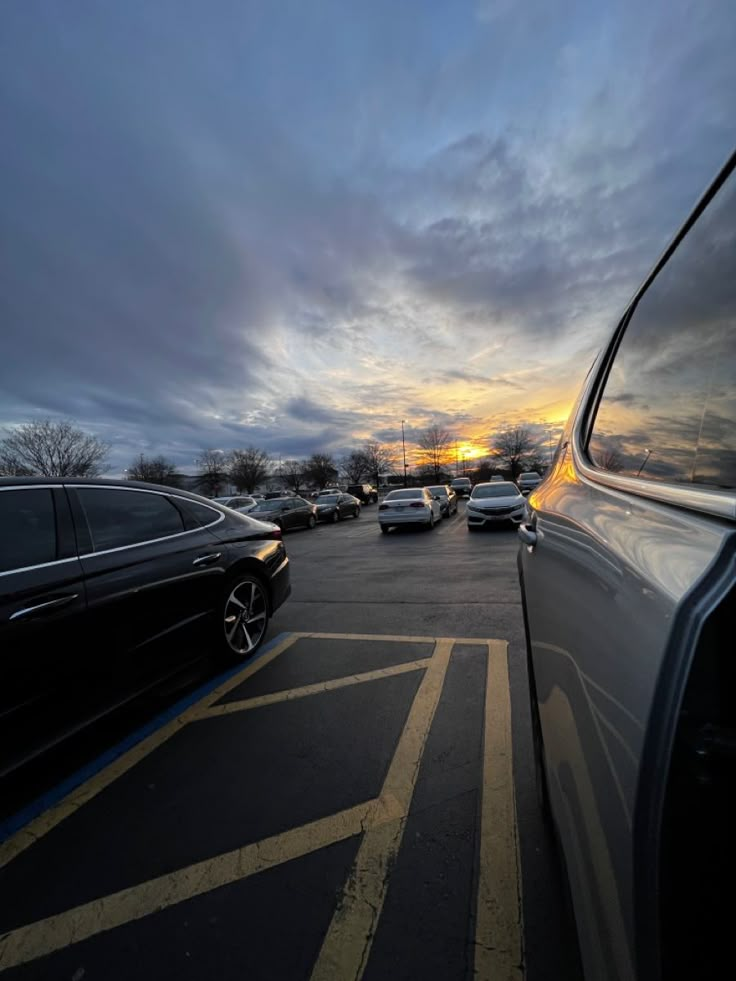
(644, 462)
(403, 447)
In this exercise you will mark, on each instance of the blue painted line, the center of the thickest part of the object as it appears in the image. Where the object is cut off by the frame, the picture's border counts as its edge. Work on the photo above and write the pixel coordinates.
(23, 817)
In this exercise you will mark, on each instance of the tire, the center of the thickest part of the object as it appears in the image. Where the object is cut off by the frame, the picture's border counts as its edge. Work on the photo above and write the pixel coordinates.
(430, 526)
(335, 517)
(244, 617)
(312, 522)
(356, 513)
(384, 529)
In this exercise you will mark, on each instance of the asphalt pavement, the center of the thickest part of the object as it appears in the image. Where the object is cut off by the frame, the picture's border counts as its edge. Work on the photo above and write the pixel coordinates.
(357, 802)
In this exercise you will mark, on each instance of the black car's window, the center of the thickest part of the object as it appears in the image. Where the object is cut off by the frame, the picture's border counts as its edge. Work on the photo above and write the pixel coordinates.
(27, 528)
(668, 410)
(199, 514)
(121, 517)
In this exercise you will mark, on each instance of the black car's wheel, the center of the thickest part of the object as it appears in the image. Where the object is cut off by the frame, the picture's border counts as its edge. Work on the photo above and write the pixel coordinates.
(312, 521)
(384, 529)
(244, 617)
(335, 517)
(356, 512)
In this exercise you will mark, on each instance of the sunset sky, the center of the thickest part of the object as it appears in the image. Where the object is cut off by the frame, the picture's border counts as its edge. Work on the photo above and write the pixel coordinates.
(294, 224)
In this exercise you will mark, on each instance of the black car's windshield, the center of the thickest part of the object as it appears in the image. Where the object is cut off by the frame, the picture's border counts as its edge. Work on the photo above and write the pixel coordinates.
(495, 490)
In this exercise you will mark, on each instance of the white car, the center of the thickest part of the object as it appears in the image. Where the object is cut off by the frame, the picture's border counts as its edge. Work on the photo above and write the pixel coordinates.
(243, 504)
(408, 506)
(495, 502)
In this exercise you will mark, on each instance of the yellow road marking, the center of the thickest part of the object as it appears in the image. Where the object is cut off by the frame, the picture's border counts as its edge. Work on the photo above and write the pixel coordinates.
(498, 929)
(212, 711)
(38, 939)
(346, 947)
(81, 795)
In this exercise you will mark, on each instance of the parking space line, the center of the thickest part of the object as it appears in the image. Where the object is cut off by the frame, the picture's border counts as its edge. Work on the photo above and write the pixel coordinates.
(498, 922)
(38, 939)
(391, 638)
(346, 947)
(49, 819)
(213, 711)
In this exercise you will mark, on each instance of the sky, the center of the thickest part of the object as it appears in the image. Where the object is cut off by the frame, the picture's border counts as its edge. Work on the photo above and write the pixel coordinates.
(295, 224)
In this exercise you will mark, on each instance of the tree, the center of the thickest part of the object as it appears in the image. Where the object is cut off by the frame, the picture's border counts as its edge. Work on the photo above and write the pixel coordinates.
(511, 446)
(45, 448)
(434, 445)
(293, 475)
(154, 470)
(378, 459)
(320, 469)
(213, 468)
(354, 467)
(248, 468)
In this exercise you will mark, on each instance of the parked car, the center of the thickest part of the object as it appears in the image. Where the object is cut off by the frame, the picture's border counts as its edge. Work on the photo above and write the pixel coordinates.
(242, 504)
(447, 498)
(627, 569)
(497, 478)
(527, 481)
(495, 503)
(329, 490)
(366, 493)
(410, 505)
(108, 586)
(286, 512)
(462, 486)
(333, 507)
(276, 495)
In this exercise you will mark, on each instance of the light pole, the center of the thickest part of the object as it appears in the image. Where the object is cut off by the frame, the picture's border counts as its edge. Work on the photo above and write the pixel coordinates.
(644, 461)
(403, 447)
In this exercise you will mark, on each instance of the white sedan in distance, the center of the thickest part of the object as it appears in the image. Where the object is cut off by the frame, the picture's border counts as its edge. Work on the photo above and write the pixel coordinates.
(492, 503)
(408, 506)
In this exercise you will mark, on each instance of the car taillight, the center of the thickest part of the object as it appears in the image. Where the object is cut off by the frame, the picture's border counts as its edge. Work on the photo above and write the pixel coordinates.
(275, 533)
(383, 507)
(417, 504)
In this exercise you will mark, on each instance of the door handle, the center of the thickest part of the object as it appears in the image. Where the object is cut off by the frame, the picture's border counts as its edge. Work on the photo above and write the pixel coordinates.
(207, 559)
(527, 535)
(53, 604)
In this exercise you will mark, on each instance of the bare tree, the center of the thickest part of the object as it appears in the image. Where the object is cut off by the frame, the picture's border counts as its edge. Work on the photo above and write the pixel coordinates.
(320, 469)
(511, 446)
(610, 460)
(213, 468)
(354, 466)
(248, 468)
(52, 449)
(378, 459)
(293, 475)
(434, 445)
(154, 470)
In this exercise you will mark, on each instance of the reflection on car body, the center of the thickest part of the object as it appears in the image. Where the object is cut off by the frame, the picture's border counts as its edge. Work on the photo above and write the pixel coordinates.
(627, 568)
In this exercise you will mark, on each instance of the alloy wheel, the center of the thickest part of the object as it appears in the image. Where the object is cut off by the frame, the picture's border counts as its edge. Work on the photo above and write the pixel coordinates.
(246, 616)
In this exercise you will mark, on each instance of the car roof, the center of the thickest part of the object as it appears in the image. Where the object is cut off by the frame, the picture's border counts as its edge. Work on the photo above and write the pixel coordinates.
(99, 482)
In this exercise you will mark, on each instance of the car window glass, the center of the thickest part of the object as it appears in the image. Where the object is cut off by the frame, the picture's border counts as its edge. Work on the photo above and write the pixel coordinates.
(121, 517)
(668, 410)
(199, 514)
(27, 528)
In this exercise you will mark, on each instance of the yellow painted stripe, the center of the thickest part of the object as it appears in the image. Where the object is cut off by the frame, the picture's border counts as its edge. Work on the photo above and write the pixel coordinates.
(81, 795)
(213, 711)
(346, 947)
(38, 939)
(498, 933)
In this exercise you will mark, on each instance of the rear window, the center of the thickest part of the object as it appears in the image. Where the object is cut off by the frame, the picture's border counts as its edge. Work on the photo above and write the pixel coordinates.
(117, 518)
(405, 495)
(27, 528)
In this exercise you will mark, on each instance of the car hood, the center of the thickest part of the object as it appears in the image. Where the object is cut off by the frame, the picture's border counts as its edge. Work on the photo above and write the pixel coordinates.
(489, 503)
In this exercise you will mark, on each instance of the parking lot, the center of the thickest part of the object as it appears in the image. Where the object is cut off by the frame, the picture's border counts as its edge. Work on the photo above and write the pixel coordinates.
(358, 801)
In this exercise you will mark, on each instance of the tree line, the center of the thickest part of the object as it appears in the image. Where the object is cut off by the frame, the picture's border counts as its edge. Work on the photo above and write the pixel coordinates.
(51, 448)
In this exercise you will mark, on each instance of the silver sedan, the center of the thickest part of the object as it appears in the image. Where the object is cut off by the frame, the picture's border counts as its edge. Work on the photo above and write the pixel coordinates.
(495, 503)
(408, 506)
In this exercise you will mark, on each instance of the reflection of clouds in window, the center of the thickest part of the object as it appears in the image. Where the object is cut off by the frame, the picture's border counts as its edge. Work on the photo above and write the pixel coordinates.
(668, 411)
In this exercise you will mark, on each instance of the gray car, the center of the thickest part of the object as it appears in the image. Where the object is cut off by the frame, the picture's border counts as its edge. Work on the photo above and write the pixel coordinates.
(627, 569)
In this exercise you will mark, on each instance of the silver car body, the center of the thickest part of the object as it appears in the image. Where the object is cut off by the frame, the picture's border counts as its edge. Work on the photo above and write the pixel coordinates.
(619, 573)
(506, 504)
(412, 506)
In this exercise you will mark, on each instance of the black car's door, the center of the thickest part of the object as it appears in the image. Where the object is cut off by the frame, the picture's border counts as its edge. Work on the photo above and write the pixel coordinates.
(301, 512)
(345, 505)
(153, 576)
(42, 612)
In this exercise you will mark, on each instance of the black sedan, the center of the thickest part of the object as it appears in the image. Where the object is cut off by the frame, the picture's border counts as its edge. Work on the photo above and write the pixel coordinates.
(108, 586)
(286, 512)
(334, 507)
